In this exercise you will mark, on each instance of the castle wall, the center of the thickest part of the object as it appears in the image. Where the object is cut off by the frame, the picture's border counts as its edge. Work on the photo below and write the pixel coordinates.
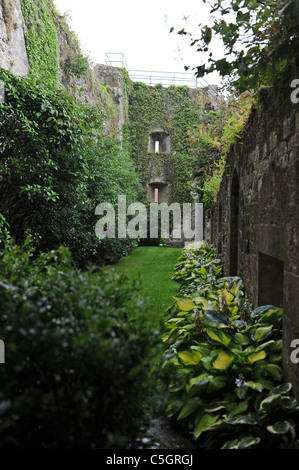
(255, 223)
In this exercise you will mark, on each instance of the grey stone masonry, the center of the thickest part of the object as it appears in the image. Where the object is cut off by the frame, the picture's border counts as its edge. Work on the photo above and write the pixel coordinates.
(255, 222)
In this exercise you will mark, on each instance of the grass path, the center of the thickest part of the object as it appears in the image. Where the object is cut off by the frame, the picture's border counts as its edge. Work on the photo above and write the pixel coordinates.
(154, 265)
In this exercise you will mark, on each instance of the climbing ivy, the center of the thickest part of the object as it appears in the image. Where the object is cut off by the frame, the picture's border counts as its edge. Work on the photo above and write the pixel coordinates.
(218, 128)
(41, 37)
(176, 111)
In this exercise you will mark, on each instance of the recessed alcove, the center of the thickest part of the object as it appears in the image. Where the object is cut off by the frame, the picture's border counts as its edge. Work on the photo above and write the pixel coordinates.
(158, 192)
(159, 141)
(270, 280)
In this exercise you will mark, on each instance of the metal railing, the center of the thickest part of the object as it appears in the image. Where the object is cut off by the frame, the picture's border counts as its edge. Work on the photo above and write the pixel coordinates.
(164, 78)
(117, 59)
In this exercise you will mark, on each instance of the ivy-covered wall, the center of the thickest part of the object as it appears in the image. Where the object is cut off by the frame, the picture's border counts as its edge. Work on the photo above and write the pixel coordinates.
(255, 221)
(40, 37)
(171, 111)
(130, 111)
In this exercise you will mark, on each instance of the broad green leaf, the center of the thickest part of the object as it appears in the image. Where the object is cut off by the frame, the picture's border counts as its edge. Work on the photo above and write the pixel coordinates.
(250, 418)
(234, 409)
(189, 408)
(185, 304)
(228, 295)
(271, 316)
(270, 402)
(199, 384)
(217, 319)
(244, 443)
(256, 385)
(174, 320)
(206, 422)
(259, 311)
(233, 287)
(190, 357)
(218, 383)
(265, 345)
(280, 427)
(219, 336)
(273, 369)
(240, 338)
(256, 356)
(262, 333)
(204, 302)
(223, 360)
(233, 281)
(233, 309)
(289, 404)
(212, 407)
(283, 389)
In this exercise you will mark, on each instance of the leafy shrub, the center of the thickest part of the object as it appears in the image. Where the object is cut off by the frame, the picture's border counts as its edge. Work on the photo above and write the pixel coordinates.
(224, 360)
(56, 167)
(77, 350)
(4, 231)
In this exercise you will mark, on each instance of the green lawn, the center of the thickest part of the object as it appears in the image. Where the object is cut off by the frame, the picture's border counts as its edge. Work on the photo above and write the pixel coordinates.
(155, 266)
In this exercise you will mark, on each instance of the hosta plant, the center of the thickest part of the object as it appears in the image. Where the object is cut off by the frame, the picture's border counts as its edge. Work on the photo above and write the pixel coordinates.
(224, 360)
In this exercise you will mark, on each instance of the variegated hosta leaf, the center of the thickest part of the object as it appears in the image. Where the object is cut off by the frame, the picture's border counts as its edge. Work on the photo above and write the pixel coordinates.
(244, 443)
(280, 427)
(223, 360)
(185, 304)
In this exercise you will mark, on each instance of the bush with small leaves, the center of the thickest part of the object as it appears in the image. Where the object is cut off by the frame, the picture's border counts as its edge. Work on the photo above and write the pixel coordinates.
(78, 349)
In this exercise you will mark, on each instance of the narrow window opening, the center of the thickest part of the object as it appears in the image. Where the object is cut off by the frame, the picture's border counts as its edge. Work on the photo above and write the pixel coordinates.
(156, 195)
(159, 142)
(158, 192)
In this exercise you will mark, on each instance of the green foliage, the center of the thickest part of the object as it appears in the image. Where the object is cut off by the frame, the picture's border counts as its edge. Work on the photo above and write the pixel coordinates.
(217, 129)
(211, 185)
(174, 110)
(4, 231)
(56, 168)
(41, 37)
(78, 349)
(259, 37)
(79, 65)
(224, 360)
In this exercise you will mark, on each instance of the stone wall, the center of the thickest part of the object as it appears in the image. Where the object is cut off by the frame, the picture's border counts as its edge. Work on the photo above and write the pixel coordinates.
(255, 223)
(13, 54)
(98, 86)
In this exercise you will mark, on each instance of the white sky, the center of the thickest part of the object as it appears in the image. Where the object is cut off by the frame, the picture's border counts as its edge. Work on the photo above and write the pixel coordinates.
(140, 30)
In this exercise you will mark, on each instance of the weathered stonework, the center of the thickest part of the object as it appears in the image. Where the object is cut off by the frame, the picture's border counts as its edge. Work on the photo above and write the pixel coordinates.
(92, 88)
(13, 54)
(255, 223)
